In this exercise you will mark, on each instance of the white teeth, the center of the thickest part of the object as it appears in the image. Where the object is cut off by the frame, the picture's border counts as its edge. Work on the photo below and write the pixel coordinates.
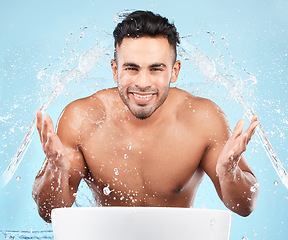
(142, 96)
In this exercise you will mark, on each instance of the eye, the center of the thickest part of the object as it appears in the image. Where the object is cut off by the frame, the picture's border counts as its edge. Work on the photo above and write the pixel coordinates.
(131, 69)
(157, 69)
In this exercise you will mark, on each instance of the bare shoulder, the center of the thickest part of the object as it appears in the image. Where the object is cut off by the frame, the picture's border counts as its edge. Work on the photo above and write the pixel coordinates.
(202, 112)
(79, 114)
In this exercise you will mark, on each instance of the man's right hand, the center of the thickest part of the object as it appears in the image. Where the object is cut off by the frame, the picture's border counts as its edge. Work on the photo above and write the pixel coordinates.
(51, 144)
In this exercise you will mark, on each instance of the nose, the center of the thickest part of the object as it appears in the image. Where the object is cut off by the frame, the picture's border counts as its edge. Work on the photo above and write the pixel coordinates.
(143, 80)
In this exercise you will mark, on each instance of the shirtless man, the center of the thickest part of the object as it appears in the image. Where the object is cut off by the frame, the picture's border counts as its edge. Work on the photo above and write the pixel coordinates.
(142, 143)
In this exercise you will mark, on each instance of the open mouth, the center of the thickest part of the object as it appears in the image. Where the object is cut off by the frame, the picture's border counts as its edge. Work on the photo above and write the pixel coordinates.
(142, 98)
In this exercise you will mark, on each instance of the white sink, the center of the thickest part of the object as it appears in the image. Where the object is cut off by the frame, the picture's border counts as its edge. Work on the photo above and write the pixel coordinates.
(139, 223)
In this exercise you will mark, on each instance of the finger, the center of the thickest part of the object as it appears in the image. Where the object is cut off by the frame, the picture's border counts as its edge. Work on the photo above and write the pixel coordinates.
(47, 127)
(50, 146)
(55, 152)
(238, 129)
(239, 146)
(53, 147)
(48, 143)
(39, 123)
(243, 143)
(254, 118)
(251, 129)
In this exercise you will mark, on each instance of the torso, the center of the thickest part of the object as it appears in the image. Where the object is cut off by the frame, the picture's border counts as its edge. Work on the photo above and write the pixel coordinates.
(153, 165)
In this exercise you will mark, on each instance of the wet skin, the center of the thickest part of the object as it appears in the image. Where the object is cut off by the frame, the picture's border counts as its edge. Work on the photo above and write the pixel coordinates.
(158, 161)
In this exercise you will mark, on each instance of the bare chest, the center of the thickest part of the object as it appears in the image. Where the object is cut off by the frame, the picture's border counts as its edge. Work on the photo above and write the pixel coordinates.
(160, 163)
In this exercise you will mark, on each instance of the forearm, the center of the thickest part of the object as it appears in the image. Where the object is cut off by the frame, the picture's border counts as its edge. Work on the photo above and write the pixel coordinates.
(51, 190)
(239, 191)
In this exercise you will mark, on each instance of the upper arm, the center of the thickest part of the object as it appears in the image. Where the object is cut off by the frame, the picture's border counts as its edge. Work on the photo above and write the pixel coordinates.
(217, 132)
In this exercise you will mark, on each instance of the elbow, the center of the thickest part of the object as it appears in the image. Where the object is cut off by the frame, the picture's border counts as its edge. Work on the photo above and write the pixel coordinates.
(246, 212)
(45, 215)
(43, 210)
(250, 207)
(243, 212)
(245, 209)
(244, 205)
(249, 204)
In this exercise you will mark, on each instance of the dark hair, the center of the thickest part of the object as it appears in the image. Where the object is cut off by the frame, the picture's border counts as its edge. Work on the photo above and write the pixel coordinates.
(145, 23)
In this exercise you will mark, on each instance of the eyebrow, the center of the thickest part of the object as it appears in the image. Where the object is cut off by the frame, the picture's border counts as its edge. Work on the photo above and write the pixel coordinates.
(158, 65)
(130, 64)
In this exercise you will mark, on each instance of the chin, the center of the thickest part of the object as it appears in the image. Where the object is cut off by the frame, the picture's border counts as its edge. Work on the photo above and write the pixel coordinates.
(142, 114)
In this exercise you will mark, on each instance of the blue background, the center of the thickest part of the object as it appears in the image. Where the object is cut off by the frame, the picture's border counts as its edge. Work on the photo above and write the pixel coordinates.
(251, 34)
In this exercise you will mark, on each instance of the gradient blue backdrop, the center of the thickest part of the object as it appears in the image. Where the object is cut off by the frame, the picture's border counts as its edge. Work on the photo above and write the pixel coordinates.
(34, 33)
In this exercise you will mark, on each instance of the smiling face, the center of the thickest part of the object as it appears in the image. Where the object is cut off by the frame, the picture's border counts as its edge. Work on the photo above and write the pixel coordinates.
(143, 71)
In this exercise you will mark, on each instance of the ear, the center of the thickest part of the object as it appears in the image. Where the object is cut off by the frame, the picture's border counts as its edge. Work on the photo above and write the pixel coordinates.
(114, 70)
(175, 71)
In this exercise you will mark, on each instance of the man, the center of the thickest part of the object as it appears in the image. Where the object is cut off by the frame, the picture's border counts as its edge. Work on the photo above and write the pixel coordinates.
(142, 143)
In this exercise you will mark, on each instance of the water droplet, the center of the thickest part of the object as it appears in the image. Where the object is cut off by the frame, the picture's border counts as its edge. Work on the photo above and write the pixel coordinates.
(212, 221)
(254, 187)
(245, 238)
(116, 171)
(125, 156)
(276, 183)
(18, 178)
(106, 190)
(129, 146)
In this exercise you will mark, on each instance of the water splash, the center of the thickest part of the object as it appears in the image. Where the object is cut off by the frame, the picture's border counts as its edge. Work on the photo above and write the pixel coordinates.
(85, 64)
(209, 69)
(11, 169)
(27, 235)
(212, 70)
(120, 16)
